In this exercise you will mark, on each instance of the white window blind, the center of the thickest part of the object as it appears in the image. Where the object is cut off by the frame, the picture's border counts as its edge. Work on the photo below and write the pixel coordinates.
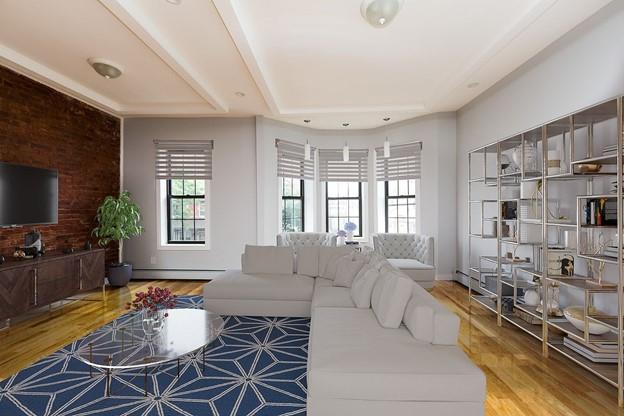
(332, 168)
(403, 163)
(291, 161)
(184, 159)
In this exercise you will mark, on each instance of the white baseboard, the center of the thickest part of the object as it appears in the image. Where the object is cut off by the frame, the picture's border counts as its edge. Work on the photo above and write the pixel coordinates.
(175, 274)
(444, 277)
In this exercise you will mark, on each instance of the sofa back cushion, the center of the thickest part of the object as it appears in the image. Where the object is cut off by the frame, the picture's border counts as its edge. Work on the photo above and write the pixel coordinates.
(328, 257)
(308, 260)
(362, 286)
(268, 259)
(346, 268)
(405, 246)
(428, 320)
(390, 295)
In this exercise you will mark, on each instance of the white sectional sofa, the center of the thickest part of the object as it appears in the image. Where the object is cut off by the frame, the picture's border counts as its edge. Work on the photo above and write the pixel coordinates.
(356, 366)
(413, 254)
(306, 239)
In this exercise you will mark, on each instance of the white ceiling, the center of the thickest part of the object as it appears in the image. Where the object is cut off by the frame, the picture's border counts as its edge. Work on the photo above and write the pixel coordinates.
(293, 59)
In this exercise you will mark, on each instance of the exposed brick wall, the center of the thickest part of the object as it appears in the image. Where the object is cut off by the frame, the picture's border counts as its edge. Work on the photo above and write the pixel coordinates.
(42, 127)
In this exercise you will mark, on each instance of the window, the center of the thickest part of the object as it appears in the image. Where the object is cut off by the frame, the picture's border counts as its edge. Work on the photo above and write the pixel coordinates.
(343, 203)
(186, 211)
(292, 208)
(401, 206)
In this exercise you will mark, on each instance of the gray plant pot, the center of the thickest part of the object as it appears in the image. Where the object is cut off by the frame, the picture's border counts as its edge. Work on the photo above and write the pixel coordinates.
(119, 274)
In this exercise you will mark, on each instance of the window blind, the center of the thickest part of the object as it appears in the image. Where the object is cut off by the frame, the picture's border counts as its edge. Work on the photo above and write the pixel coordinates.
(184, 159)
(291, 161)
(403, 163)
(332, 168)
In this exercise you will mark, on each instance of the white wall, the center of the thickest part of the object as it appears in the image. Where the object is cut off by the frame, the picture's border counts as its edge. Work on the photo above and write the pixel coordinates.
(584, 67)
(438, 200)
(232, 197)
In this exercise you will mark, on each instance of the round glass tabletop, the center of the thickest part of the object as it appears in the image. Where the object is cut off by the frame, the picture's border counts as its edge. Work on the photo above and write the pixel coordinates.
(123, 343)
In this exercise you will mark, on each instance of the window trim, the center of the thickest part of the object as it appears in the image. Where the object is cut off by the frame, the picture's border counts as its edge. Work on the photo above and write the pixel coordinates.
(169, 197)
(387, 197)
(301, 197)
(350, 198)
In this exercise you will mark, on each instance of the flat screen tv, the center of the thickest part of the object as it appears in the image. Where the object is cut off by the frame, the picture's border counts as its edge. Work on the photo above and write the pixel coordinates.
(28, 195)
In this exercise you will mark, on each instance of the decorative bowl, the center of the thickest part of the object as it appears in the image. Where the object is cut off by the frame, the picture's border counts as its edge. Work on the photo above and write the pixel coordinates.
(589, 167)
(576, 316)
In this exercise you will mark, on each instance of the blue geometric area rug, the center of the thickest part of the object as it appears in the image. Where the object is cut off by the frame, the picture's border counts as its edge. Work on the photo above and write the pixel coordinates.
(257, 366)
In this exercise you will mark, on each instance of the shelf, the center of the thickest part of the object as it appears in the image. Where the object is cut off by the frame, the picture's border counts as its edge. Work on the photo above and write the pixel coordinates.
(535, 221)
(485, 301)
(603, 160)
(577, 176)
(510, 175)
(582, 283)
(531, 310)
(505, 260)
(597, 257)
(532, 272)
(607, 372)
(483, 179)
(565, 326)
(561, 224)
(485, 237)
(533, 330)
(609, 321)
(597, 226)
(484, 201)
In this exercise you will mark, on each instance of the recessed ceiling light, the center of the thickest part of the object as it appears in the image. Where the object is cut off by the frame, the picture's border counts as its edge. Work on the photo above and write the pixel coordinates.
(386, 119)
(239, 94)
(306, 121)
(379, 13)
(105, 68)
(345, 124)
(174, 2)
(473, 85)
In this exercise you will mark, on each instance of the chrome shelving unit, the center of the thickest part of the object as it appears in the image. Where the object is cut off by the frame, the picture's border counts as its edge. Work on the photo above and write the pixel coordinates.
(583, 151)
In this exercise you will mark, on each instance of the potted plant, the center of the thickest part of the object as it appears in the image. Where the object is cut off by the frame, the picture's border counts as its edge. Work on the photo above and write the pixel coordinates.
(118, 219)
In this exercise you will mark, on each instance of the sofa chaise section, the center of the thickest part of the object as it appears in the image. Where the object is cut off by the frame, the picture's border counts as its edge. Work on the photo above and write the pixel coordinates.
(413, 254)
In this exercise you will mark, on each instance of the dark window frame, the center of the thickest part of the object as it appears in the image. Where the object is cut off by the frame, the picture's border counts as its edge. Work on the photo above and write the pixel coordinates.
(301, 198)
(170, 197)
(388, 197)
(349, 198)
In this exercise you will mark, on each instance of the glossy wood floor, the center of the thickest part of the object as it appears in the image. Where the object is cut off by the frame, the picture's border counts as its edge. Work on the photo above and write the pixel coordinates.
(520, 382)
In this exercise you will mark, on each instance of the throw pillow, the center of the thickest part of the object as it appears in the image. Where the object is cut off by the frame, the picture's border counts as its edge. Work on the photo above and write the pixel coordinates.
(376, 260)
(328, 257)
(308, 260)
(390, 299)
(346, 269)
(268, 259)
(362, 287)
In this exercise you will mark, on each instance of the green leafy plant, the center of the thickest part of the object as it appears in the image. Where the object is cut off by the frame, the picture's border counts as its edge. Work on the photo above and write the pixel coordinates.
(118, 218)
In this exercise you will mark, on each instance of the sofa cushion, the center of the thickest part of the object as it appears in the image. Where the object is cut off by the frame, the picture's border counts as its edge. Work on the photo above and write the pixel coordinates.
(308, 260)
(390, 295)
(347, 267)
(362, 287)
(234, 284)
(429, 320)
(268, 259)
(328, 257)
(352, 357)
(332, 297)
(409, 264)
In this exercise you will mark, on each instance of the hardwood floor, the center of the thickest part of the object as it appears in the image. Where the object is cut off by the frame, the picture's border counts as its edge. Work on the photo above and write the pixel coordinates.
(520, 381)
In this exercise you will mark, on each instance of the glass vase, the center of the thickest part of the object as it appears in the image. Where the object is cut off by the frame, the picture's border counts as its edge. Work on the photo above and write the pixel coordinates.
(152, 321)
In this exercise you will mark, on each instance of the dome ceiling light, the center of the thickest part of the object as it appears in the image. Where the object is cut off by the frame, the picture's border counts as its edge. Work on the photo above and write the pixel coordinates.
(105, 68)
(379, 13)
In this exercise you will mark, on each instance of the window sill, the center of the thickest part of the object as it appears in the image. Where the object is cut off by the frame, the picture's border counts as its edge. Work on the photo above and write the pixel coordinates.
(184, 247)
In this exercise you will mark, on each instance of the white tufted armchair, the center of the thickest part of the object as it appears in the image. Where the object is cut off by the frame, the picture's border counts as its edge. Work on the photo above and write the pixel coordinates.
(306, 239)
(410, 253)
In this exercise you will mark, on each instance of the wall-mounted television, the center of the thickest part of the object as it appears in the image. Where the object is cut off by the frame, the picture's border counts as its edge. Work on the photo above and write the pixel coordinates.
(28, 195)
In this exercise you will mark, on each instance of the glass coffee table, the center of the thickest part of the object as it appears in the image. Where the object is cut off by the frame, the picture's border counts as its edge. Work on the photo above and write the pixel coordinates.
(123, 344)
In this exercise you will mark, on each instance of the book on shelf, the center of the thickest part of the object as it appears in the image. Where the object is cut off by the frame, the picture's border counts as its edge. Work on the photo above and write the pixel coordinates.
(600, 212)
(598, 353)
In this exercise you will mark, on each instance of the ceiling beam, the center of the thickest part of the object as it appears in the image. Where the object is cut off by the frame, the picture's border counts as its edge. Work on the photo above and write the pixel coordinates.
(232, 23)
(130, 15)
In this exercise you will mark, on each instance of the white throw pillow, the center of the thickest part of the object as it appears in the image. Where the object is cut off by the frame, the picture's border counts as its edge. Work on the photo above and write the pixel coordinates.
(362, 287)
(328, 257)
(418, 318)
(376, 260)
(268, 259)
(390, 296)
(308, 260)
(346, 268)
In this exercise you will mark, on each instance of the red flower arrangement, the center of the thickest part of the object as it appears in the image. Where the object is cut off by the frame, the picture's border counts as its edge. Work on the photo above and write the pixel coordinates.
(154, 299)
